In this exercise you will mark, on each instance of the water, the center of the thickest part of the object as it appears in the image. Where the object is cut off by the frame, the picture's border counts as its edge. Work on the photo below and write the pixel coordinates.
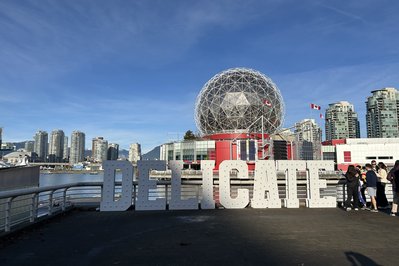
(67, 178)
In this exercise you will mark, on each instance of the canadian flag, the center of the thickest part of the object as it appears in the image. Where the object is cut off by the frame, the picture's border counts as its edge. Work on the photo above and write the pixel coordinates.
(314, 106)
(321, 116)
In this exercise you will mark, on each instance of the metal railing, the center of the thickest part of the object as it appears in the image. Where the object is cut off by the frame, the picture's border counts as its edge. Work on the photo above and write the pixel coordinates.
(29, 204)
(25, 206)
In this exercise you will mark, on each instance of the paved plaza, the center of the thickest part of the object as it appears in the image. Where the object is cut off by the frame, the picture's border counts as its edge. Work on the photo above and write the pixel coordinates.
(208, 237)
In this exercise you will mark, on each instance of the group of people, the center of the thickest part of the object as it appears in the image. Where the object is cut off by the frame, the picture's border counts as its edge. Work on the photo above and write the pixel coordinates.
(373, 178)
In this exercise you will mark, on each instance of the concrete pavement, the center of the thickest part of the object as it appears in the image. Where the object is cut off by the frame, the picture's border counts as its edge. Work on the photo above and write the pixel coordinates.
(208, 237)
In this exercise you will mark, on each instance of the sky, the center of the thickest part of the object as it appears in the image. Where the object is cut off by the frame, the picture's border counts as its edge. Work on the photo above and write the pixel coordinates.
(130, 71)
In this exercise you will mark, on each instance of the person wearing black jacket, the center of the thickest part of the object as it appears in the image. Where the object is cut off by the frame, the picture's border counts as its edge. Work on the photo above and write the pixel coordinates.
(352, 188)
(393, 176)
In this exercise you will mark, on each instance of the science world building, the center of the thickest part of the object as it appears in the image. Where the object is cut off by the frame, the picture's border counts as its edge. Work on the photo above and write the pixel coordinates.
(236, 112)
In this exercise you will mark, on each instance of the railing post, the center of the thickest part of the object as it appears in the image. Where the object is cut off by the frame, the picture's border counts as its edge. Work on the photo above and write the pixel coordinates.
(50, 203)
(197, 193)
(134, 195)
(33, 208)
(63, 207)
(7, 225)
(166, 195)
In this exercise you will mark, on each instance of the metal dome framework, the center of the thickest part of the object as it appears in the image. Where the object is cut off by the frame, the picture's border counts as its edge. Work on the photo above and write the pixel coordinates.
(239, 100)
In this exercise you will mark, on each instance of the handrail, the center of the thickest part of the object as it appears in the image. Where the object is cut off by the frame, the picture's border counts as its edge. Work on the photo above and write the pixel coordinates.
(40, 201)
(27, 191)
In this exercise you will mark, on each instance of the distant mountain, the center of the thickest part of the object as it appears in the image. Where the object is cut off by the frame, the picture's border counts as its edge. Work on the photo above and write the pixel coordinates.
(123, 154)
(154, 154)
(20, 145)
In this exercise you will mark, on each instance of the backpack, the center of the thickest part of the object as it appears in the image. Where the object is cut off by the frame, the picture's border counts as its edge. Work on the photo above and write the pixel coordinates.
(395, 181)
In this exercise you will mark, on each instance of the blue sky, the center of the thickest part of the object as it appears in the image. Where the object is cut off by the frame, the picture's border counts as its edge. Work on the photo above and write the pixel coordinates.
(130, 70)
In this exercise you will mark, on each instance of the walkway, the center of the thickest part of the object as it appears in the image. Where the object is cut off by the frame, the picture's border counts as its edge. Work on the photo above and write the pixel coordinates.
(224, 237)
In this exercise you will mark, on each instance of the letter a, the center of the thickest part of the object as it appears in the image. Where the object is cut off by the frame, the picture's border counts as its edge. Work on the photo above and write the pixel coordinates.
(265, 186)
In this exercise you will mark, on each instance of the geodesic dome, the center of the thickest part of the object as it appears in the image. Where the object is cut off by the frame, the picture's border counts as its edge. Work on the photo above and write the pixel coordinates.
(237, 100)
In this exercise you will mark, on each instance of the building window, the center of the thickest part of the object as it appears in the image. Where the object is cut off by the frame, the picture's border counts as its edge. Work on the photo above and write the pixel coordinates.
(385, 157)
(347, 157)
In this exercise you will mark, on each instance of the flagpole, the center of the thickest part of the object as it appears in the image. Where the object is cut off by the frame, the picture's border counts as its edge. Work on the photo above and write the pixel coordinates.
(263, 140)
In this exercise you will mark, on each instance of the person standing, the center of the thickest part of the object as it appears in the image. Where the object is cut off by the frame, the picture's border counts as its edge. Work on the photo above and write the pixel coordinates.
(362, 187)
(393, 176)
(374, 165)
(352, 188)
(371, 181)
(382, 201)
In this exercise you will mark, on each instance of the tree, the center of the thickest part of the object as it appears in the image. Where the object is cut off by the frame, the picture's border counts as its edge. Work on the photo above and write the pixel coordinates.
(189, 135)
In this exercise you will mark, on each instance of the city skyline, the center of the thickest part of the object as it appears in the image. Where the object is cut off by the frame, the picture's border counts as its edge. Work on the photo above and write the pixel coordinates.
(132, 72)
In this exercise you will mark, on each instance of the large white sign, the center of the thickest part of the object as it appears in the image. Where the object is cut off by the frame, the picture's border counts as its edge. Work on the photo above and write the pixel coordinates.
(265, 190)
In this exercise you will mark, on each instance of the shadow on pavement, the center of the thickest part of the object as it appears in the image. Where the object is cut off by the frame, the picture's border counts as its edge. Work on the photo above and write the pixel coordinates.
(357, 259)
(207, 237)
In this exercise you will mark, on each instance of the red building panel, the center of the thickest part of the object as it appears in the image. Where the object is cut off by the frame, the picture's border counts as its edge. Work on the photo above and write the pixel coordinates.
(333, 142)
(223, 152)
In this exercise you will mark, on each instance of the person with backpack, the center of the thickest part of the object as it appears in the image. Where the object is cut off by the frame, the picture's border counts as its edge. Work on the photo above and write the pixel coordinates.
(352, 188)
(393, 176)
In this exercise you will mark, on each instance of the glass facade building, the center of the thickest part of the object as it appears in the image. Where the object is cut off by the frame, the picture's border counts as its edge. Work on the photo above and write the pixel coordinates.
(113, 151)
(191, 152)
(382, 114)
(308, 140)
(341, 121)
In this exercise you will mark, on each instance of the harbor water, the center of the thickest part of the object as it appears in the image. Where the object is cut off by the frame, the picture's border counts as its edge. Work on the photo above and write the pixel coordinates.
(67, 178)
(55, 179)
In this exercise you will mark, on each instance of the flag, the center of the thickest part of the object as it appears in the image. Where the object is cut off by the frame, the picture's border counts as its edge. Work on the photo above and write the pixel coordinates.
(321, 116)
(266, 102)
(314, 106)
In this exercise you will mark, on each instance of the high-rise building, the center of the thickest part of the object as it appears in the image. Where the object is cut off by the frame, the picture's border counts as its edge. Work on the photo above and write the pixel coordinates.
(382, 114)
(56, 146)
(94, 145)
(341, 121)
(308, 140)
(134, 153)
(100, 149)
(113, 151)
(41, 145)
(65, 156)
(77, 147)
(29, 146)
